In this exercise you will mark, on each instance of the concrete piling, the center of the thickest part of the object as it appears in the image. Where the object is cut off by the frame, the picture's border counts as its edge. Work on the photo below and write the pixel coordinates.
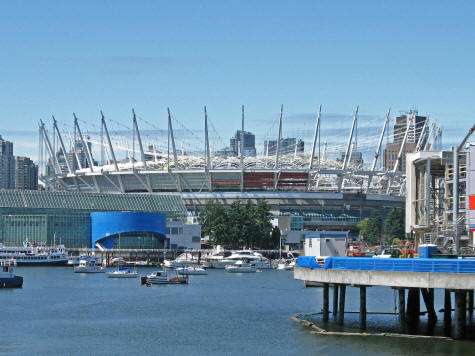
(363, 307)
(335, 300)
(402, 309)
(341, 312)
(447, 312)
(470, 305)
(428, 295)
(413, 309)
(460, 314)
(326, 288)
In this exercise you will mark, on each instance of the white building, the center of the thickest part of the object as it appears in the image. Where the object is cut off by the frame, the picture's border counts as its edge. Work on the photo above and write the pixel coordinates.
(183, 235)
(326, 243)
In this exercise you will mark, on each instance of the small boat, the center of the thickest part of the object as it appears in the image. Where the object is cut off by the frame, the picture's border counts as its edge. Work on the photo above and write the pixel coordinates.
(253, 257)
(191, 270)
(123, 272)
(241, 267)
(286, 265)
(162, 277)
(7, 278)
(87, 264)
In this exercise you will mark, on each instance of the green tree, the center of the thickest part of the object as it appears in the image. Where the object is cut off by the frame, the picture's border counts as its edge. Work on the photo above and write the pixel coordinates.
(214, 222)
(394, 225)
(263, 224)
(370, 229)
(275, 238)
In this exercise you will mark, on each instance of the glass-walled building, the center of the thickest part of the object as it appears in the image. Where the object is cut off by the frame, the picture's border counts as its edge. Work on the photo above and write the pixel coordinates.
(65, 217)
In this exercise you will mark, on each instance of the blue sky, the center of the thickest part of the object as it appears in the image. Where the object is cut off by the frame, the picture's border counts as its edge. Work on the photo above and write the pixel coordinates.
(60, 57)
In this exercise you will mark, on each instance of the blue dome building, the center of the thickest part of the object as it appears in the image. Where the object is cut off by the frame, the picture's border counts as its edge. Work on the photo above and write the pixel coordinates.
(128, 230)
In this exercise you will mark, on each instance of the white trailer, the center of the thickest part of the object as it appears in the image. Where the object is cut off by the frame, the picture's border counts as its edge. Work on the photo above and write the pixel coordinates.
(326, 243)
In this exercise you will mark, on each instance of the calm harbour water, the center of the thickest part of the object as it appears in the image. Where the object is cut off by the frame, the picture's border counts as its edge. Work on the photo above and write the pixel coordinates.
(58, 312)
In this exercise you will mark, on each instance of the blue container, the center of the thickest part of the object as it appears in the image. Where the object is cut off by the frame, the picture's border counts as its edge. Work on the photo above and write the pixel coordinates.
(426, 251)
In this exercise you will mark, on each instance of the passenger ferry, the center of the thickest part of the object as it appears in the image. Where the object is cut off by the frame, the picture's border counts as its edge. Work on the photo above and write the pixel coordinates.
(32, 254)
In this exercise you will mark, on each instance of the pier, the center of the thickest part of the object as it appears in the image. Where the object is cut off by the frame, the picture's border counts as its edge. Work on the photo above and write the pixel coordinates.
(412, 278)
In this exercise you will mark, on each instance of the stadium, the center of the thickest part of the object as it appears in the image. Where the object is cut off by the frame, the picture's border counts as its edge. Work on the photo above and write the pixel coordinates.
(313, 188)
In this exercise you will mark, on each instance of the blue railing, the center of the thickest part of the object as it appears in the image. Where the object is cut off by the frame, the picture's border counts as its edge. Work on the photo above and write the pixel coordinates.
(391, 264)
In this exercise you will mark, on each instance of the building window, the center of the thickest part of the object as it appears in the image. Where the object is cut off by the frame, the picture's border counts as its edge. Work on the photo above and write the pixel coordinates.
(195, 239)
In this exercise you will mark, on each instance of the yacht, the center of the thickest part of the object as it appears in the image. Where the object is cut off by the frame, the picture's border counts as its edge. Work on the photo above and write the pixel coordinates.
(182, 260)
(163, 277)
(87, 264)
(123, 272)
(241, 267)
(7, 278)
(253, 257)
(191, 270)
(32, 254)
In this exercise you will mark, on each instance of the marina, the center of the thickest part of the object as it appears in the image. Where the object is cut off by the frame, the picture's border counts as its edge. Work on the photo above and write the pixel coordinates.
(259, 304)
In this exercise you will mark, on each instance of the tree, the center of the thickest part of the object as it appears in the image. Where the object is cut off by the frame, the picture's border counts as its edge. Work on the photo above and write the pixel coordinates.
(275, 237)
(371, 228)
(214, 222)
(394, 225)
(375, 227)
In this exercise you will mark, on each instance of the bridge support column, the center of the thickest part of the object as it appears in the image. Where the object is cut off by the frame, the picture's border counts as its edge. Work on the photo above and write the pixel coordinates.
(460, 314)
(335, 300)
(402, 309)
(363, 307)
(341, 312)
(428, 295)
(326, 292)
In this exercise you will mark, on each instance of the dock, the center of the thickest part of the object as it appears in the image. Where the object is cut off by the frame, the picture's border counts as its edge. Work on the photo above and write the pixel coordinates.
(412, 278)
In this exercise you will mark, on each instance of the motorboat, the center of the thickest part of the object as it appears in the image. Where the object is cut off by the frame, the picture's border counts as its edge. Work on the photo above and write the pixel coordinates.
(33, 254)
(7, 278)
(163, 277)
(191, 270)
(286, 265)
(241, 267)
(122, 272)
(182, 260)
(88, 264)
(252, 257)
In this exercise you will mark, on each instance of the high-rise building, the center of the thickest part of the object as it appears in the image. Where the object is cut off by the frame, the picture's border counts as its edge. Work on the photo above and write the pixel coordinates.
(287, 146)
(7, 165)
(26, 174)
(249, 147)
(416, 125)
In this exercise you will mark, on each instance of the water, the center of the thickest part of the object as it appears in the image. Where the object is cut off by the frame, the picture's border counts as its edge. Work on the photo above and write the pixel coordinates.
(60, 312)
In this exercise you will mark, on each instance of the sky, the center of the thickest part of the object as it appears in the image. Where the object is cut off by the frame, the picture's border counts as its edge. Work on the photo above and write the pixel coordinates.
(60, 57)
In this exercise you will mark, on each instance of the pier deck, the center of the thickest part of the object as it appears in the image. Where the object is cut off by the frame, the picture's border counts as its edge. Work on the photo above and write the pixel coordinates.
(418, 276)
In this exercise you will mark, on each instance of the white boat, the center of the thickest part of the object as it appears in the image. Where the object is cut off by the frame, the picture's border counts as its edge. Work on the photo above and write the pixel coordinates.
(87, 264)
(123, 272)
(251, 257)
(285, 265)
(182, 260)
(32, 254)
(191, 270)
(241, 267)
(163, 277)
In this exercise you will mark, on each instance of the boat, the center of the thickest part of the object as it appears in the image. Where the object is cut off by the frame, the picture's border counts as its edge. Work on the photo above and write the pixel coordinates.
(241, 267)
(33, 254)
(123, 272)
(163, 277)
(191, 270)
(182, 260)
(87, 264)
(7, 278)
(286, 265)
(252, 257)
